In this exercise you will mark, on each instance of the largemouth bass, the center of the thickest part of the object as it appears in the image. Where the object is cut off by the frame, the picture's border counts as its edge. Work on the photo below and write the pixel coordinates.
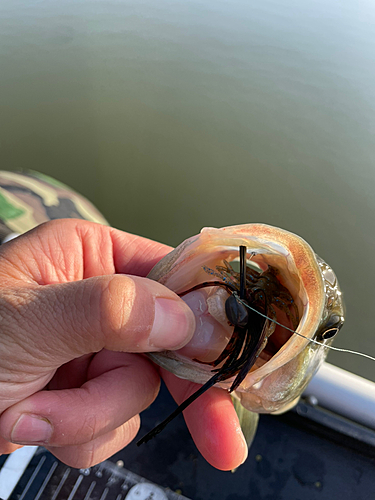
(264, 319)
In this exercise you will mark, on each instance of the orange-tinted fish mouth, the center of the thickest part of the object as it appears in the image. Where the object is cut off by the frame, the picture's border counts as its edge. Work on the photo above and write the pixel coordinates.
(286, 269)
(253, 304)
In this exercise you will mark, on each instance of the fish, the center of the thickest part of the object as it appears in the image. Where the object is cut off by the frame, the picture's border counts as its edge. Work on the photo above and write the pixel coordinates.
(267, 309)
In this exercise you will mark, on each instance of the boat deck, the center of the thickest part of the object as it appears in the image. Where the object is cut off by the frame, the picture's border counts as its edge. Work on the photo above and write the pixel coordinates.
(308, 453)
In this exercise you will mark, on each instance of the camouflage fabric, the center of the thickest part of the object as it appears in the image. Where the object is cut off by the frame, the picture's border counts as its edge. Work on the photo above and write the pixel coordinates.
(30, 198)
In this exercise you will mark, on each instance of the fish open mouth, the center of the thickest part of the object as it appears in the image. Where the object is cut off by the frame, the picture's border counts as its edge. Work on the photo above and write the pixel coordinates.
(244, 339)
(284, 294)
(240, 337)
(213, 331)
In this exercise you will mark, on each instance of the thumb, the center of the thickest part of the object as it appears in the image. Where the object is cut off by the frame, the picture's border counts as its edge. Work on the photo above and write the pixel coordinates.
(57, 323)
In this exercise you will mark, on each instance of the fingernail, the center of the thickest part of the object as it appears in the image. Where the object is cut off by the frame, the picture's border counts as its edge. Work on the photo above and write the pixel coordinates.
(245, 451)
(30, 429)
(174, 324)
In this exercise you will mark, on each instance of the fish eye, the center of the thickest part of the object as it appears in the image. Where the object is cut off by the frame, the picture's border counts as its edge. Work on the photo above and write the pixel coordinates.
(332, 327)
(329, 334)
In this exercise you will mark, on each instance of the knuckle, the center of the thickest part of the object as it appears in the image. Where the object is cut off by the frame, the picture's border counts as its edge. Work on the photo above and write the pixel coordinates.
(116, 304)
(91, 453)
(89, 429)
(151, 381)
(81, 457)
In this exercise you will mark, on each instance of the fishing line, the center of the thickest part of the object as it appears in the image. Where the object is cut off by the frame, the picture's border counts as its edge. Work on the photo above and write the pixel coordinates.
(303, 336)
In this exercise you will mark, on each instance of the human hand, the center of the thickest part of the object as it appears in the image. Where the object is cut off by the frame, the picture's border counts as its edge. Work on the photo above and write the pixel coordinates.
(76, 314)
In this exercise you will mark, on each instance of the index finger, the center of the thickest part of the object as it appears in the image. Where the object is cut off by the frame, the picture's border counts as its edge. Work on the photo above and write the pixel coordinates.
(72, 249)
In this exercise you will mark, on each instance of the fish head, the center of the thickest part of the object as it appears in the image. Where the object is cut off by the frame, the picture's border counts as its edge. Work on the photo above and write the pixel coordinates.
(289, 360)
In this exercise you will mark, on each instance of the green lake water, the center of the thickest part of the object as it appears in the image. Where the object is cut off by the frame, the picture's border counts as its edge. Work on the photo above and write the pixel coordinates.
(174, 115)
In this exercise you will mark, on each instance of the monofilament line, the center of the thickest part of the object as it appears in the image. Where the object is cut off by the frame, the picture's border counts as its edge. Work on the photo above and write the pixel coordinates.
(303, 336)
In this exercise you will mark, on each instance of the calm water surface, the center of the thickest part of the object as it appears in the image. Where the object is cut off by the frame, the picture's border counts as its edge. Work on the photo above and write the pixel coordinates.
(174, 115)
